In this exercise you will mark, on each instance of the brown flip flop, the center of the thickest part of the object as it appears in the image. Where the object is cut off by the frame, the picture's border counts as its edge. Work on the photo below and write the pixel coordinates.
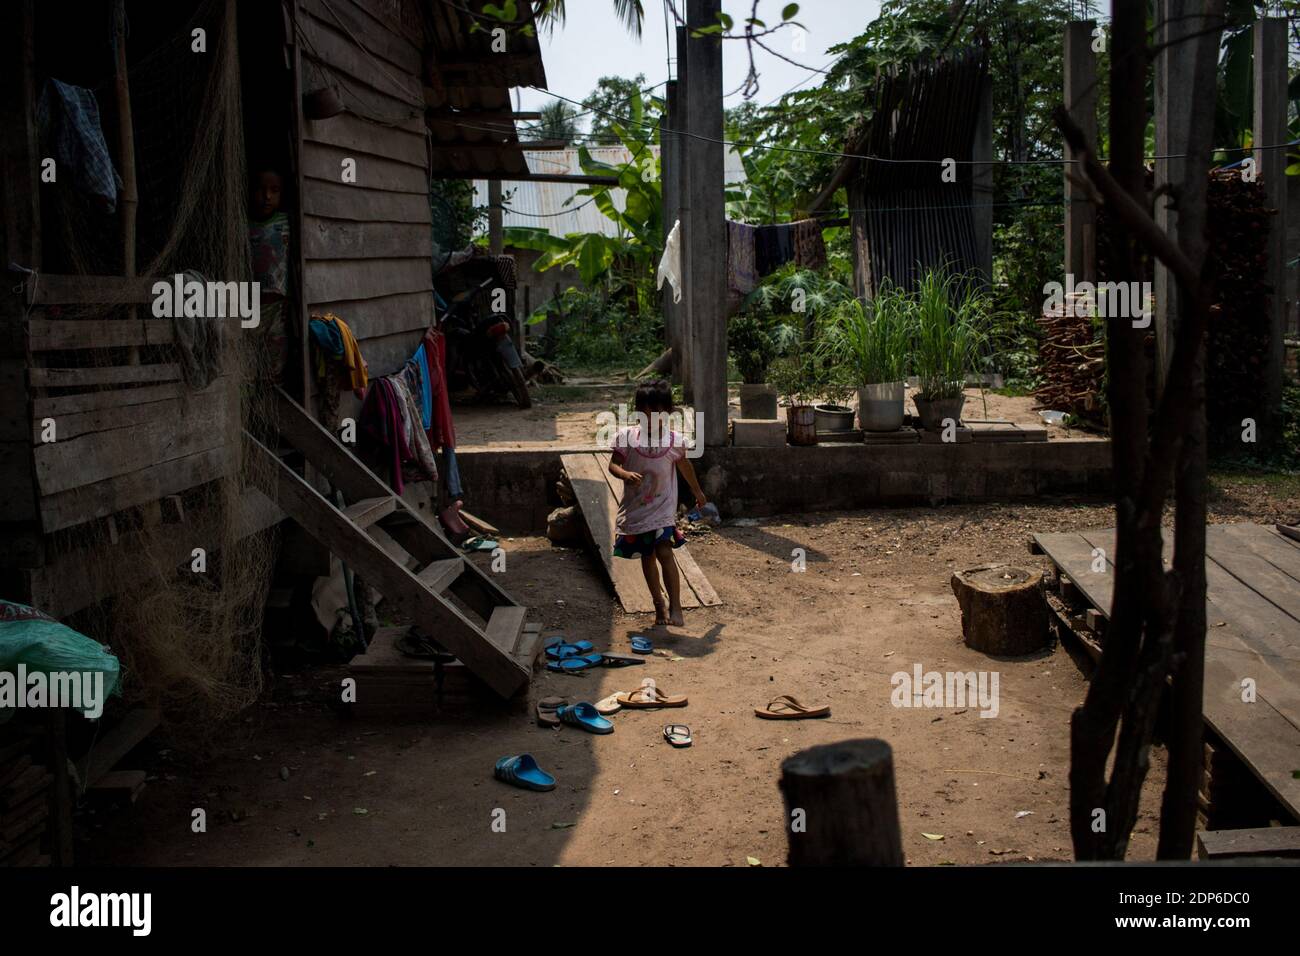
(648, 695)
(786, 707)
(546, 708)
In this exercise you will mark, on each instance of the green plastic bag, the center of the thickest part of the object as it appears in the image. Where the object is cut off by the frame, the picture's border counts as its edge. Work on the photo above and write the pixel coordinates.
(39, 649)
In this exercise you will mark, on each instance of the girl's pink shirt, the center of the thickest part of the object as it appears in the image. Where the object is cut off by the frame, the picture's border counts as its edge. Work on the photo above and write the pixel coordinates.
(651, 505)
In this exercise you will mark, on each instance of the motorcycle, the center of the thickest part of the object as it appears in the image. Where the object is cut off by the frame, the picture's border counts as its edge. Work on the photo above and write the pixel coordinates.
(481, 351)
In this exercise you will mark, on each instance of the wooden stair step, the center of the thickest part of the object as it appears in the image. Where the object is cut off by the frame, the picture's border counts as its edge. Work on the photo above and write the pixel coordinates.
(530, 644)
(366, 512)
(505, 627)
(437, 575)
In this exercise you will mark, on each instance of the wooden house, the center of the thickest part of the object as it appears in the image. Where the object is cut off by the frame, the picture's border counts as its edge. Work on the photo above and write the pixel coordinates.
(103, 436)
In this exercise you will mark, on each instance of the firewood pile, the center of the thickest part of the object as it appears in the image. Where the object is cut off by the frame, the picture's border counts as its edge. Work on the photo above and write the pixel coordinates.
(1237, 352)
(1071, 354)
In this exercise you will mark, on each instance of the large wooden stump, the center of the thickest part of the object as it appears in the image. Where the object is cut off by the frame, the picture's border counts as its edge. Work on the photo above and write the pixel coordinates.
(848, 810)
(1003, 610)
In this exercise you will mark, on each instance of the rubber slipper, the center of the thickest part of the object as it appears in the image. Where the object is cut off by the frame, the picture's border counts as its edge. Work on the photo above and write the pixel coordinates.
(642, 645)
(608, 705)
(569, 665)
(558, 648)
(479, 543)
(546, 708)
(522, 771)
(621, 660)
(585, 717)
(651, 696)
(679, 735)
(786, 707)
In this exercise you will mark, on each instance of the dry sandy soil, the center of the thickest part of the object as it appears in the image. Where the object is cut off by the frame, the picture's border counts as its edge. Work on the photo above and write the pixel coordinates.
(566, 416)
(292, 783)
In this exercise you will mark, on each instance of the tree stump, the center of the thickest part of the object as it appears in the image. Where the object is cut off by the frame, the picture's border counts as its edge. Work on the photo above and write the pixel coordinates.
(1003, 610)
(847, 808)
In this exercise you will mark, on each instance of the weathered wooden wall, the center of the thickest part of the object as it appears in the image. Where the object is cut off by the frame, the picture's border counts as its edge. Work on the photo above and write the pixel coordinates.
(366, 245)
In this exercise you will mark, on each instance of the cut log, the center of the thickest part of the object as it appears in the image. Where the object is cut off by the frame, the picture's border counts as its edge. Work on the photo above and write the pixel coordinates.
(564, 526)
(841, 806)
(1003, 611)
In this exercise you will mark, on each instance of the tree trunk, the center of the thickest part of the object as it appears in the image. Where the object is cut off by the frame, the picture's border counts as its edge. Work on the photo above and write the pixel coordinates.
(841, 807)
(1002, 609)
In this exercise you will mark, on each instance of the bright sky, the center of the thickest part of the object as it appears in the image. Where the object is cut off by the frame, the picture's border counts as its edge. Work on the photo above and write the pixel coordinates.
(593, 43)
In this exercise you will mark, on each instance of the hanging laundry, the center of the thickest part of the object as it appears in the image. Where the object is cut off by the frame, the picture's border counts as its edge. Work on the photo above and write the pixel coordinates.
(335, 340)
(417, 441)
(421, 359)
(809, 247)
(742, 270)
(442, 433)
(68, 119)
(382, 435)
(670, 265)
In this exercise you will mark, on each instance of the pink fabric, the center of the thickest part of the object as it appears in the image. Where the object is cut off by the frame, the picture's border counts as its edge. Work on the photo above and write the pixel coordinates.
(651, 505)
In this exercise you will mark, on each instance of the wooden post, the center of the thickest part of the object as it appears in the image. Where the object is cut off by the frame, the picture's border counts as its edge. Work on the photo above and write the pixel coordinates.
(670, 186)
(495, 216)
(1081, 102)
(128, 200)
(1174, 73)
(982, 182)
(684, 346)
(857, 198)
(840, 805)
(707, 235)
(1270, 130)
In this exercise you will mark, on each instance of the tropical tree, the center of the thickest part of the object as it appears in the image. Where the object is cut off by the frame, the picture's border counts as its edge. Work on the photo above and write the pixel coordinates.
(608, 101)
(559, 121)
(552, 13)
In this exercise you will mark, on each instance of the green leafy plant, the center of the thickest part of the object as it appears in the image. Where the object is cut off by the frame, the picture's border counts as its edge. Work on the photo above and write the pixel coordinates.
(950, 334)
(871, 342)
(797, 377)
(752, 347)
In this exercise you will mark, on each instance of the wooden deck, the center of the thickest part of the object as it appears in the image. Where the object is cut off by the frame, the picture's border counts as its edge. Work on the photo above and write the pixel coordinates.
(1253, 616)
(597, 496)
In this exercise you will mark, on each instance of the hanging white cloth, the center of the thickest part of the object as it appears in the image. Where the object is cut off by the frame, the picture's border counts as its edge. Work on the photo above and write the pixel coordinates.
(670, 266)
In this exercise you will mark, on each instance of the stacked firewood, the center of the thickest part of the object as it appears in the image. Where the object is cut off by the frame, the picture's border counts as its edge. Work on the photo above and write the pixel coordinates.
(1071, 362)
(1237, 351)
(24, 803)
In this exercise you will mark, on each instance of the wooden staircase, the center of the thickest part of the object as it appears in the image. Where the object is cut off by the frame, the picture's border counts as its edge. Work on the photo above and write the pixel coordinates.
(378, 535)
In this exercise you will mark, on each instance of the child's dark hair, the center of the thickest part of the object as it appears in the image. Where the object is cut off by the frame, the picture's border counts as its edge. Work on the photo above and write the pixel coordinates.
(656, 396)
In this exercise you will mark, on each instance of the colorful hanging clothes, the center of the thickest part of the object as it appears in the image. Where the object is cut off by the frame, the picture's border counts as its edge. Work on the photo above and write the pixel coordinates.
(773, 247)
(332, 334)
(417, 441)
(382, 435)
(421, 360)
(809, 247)
(442, 431)
(742, 271)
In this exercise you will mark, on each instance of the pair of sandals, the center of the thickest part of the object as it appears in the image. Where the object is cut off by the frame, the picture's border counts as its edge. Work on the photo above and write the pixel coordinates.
(648, 695)
(564, 657)
(556, 711)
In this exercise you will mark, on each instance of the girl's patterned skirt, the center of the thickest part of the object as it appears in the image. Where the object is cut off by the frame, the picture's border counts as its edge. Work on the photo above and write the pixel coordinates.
(638, 545)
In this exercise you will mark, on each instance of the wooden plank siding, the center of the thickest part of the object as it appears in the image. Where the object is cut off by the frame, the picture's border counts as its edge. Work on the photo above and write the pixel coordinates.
(367, 244)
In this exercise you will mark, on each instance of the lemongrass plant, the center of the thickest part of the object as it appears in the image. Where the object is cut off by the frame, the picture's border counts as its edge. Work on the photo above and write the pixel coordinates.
(871, 342)
(950, 333)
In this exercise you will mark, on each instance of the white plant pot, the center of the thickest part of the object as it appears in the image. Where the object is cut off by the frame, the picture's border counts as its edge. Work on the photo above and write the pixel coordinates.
(880, 407)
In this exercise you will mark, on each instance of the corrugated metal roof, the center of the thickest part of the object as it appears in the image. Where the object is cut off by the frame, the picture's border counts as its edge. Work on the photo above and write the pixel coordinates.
(543, 205)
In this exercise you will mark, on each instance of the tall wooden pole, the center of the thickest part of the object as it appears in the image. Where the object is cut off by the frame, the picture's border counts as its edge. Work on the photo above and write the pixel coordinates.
(1270, 130)
(684, 345)
(1080, 66)
(128, 200)
(707, 232)
(982, 182)
(670, 189)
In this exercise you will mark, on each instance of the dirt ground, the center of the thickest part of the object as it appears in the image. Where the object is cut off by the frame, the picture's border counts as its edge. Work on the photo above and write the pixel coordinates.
(293, 783)
(565, 415)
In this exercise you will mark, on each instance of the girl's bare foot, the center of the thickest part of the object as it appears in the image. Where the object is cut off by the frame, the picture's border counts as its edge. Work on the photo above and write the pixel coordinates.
(661, 615)
(675, 617)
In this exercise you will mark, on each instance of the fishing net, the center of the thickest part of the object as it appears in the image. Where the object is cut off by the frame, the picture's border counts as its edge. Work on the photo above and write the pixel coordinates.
(189, 640)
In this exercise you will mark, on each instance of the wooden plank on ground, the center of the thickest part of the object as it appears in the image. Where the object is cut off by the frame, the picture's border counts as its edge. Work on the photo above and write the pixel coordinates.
(1072, 553)
(1249, 553)
(596, 496)
(1234, 844)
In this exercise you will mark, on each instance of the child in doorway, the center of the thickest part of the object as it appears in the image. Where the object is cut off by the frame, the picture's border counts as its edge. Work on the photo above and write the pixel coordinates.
(268, 240)
(646, 459)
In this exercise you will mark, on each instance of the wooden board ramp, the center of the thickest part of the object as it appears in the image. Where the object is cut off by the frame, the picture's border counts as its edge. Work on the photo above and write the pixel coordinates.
(401, 554)
(1253, 615)
(598, 494)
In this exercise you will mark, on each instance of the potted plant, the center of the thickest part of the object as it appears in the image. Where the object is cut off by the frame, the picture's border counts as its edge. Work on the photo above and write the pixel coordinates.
(795, 377)
(871, 343)
(948, 340)
(834, 415)
(753, 348)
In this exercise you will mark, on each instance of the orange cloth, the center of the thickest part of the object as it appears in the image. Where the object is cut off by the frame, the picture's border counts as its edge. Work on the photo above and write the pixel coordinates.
(354, 374)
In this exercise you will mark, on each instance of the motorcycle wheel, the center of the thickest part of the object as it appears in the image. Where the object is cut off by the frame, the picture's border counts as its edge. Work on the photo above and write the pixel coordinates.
(519, 387)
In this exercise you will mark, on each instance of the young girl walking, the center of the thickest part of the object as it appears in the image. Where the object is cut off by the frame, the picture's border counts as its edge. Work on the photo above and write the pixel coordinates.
(647, 459)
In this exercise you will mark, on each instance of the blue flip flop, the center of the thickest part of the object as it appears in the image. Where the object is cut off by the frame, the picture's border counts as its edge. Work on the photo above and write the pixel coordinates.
(559, 648)
(642, 645)
(522, 771)
(584, 716)
(579, 662)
